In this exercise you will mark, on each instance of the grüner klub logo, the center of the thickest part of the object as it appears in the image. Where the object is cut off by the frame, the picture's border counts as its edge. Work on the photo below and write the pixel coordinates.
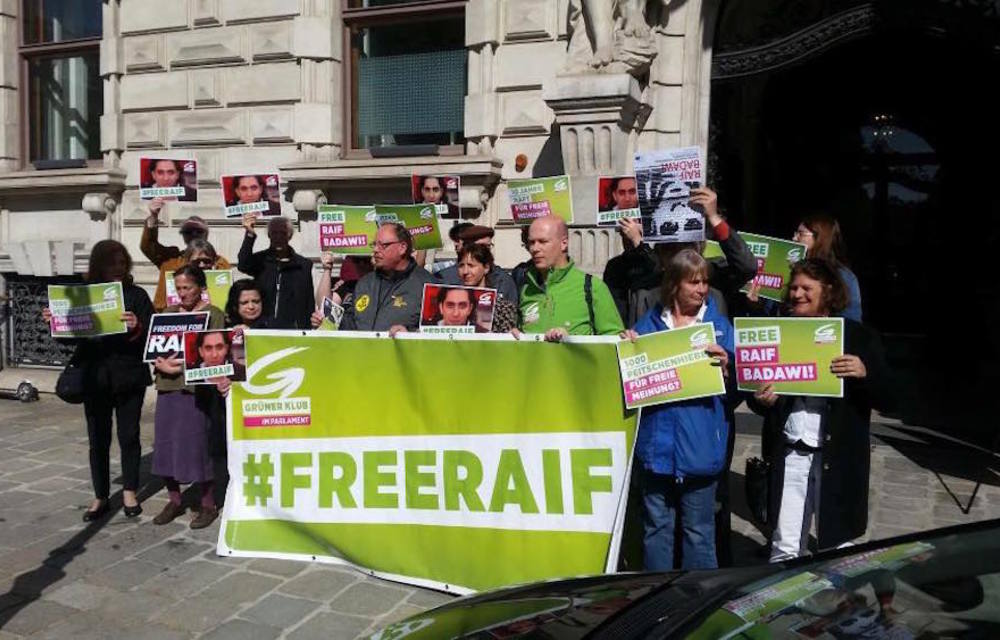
(284, 410)
(825, 334)
(699, 339)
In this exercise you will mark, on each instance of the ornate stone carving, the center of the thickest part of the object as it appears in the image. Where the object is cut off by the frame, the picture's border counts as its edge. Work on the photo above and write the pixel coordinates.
(613, 36)
(815, 38)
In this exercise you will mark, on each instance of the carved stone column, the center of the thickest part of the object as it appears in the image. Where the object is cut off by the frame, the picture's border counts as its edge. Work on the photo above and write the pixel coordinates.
(596, 114)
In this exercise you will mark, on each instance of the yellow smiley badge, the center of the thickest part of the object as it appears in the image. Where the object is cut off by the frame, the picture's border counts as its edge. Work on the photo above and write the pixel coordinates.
(361, 303)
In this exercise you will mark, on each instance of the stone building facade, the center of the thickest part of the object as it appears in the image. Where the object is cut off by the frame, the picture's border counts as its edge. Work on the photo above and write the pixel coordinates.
(258, 85)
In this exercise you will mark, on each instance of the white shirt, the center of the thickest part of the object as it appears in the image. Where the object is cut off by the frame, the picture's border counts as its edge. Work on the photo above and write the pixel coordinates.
(804, 421)
(668, 318)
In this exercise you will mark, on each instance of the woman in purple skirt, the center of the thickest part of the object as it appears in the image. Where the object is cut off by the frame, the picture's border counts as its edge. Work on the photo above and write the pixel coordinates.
(183, 422)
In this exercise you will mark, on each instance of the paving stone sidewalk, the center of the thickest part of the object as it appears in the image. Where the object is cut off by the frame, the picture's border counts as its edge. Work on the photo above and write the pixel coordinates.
(119, 578)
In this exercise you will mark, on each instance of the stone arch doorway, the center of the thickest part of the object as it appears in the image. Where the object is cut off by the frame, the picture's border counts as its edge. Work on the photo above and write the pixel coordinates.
(878, 113)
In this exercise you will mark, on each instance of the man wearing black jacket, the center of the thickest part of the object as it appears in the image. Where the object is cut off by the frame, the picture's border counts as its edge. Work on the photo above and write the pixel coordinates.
(634, 277)
(285, 277)
(389, 298)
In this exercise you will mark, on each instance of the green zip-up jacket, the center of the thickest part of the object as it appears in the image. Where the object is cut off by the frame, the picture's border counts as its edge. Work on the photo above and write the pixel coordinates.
(560, 302)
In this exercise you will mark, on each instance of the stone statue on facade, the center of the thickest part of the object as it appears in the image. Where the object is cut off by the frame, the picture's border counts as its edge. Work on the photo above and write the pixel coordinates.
(614, 36)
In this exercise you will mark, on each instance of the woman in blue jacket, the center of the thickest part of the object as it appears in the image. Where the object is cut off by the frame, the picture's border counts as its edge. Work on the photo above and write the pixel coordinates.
(681, 446)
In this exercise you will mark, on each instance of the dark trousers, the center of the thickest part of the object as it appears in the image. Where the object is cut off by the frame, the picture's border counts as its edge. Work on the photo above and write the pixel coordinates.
(127, 407)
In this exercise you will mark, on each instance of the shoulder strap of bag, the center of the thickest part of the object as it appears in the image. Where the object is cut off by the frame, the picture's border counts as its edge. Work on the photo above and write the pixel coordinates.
(588, 294)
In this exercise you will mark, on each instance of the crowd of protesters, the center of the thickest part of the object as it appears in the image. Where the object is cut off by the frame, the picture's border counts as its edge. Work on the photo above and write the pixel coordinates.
(817, 448)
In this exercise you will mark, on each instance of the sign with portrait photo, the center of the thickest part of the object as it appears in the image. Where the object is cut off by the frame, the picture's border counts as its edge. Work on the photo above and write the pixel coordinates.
(664, 180)
(448, 309)
(165, 337)
(420, 220)
(208, 356)
(617, 198)
(441, 191)
(346, 229)
(168, 178)
(252, 193)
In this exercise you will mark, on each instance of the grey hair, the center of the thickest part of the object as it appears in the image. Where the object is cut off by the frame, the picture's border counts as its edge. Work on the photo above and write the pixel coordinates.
(200, 245)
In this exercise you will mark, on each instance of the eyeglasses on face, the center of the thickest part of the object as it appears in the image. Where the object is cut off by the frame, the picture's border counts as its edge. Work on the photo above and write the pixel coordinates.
(383, 245)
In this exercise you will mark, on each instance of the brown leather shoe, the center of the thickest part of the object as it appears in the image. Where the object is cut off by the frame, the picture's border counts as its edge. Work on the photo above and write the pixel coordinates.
(205, 517)
(169, 512)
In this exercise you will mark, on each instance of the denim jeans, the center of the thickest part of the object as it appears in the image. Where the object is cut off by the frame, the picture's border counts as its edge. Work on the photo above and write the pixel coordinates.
(663, 497)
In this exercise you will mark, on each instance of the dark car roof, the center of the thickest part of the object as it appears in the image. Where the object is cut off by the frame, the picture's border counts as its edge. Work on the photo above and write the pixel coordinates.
(699, 604)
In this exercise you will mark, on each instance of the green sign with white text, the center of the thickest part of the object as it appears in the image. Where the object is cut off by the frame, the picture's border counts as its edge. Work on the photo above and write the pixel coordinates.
(220, 281)
(347, 230)
(669, 366)
(775, 258)
(402, 462)
(420, 220)
(792, 354)
(86, 310)
(538, 197)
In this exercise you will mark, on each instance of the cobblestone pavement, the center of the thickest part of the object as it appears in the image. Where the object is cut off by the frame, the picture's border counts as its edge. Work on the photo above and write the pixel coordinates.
(61, 578)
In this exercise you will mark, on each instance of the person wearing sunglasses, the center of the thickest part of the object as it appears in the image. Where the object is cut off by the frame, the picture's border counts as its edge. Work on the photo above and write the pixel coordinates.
(388, 298)
(170, 259)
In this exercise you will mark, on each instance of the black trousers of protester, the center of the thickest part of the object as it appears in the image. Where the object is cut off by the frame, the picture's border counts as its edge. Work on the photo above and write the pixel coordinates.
(99, 409)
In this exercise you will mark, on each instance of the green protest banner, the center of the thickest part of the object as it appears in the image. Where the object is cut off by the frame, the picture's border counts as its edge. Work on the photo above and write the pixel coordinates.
(793, 354)
(669, 366)
(515, 491)
(538, 197)
(775, 258)
(220, 281)
(86, 310)
(347, 230)
(420, 220)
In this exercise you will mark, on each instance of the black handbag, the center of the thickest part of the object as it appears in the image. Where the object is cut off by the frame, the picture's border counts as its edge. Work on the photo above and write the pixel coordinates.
(756, 480)
(70, 385)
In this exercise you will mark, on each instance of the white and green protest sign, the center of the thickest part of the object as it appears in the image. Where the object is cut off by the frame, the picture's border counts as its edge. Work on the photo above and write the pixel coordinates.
(792, 354)
(775, 258)
(345, 229)
(420, 220)
(514, 491)
(669, 366)
(333, 314)
(86, 310)
(539, 197)
(220, 281)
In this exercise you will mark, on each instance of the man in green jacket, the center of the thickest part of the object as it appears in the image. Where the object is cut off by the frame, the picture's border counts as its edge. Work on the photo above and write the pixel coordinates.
(558, 299)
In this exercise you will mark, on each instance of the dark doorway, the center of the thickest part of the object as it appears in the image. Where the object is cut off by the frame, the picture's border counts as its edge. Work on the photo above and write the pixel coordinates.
(882, 115)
